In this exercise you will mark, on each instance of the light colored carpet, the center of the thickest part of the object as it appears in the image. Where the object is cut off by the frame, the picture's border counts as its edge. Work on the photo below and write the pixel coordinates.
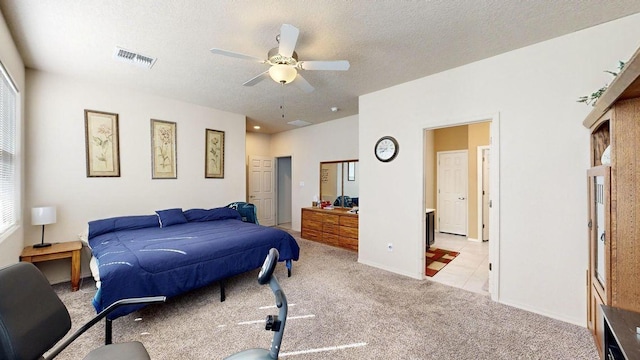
(339, 302)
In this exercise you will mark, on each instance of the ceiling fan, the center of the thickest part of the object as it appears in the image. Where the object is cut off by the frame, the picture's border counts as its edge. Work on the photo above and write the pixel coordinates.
(284, 63)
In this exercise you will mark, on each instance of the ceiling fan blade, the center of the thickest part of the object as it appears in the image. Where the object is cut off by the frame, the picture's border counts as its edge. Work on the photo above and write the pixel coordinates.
(234, 54)
(288, 39)
(303, 84)
(339, 65)
(257, 79)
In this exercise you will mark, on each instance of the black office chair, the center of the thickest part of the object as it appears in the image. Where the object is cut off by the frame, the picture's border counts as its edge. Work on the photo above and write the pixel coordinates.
(33, 319)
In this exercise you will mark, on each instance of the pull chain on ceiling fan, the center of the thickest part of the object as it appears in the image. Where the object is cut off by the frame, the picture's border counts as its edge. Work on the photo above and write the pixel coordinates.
(284, 63)
(282, 103)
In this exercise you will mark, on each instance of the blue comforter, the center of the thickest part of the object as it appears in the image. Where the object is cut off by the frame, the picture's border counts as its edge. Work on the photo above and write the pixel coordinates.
(172, 260)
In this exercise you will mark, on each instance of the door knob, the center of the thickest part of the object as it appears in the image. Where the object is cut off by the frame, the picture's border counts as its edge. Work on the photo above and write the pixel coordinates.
(461, 198)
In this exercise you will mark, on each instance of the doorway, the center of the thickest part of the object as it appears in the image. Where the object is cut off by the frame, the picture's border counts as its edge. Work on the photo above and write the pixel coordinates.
(479, 139)
(283, 192)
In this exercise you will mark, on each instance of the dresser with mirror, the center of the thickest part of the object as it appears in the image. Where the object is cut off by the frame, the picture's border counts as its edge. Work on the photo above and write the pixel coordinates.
(336, 224)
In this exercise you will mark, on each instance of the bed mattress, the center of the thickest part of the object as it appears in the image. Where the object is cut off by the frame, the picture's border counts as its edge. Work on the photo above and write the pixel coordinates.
(172, 260)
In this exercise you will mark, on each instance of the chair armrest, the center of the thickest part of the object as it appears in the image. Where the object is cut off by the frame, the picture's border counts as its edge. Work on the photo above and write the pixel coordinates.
(100, 316)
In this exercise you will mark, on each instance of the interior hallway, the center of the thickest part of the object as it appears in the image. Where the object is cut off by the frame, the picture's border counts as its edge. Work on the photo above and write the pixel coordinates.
(470, 269)
(285, 226)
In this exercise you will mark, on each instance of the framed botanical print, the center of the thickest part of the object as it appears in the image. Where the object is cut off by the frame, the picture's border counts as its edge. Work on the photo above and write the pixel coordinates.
(164, 157)
(214, 154)
(102, 144)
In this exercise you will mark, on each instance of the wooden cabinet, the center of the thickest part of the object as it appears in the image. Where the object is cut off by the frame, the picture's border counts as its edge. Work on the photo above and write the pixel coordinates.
(335, 227)
(614, 200)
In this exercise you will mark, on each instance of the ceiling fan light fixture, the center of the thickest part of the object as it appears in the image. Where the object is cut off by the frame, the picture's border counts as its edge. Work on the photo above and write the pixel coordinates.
(283, 74)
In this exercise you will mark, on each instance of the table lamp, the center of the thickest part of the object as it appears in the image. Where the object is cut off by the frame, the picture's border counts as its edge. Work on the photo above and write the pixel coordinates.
(43, 216)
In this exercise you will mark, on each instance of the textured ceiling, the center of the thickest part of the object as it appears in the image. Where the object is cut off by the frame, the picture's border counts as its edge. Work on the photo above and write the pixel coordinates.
(386, 42)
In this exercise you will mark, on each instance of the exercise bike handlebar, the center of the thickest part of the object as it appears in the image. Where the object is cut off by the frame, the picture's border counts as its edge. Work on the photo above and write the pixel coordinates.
(281, 303)
(268, 266)
(274, 324)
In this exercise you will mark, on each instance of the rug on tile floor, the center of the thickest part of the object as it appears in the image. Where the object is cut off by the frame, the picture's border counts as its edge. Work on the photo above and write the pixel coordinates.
(438, 259)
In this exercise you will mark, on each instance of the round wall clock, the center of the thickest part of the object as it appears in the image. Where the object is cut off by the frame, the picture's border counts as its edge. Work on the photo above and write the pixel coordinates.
(386, 148)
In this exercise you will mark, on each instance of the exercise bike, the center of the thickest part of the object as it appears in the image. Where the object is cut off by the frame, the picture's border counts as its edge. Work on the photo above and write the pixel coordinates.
(274, 322)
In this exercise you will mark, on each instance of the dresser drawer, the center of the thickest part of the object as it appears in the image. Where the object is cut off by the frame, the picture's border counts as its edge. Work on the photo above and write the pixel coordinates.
(312, 225)
(349, 232)
(314, 235)
(312, 215)
(349, 221)
(331, 239)
(331, 228)
(349, 243)
(331, 219)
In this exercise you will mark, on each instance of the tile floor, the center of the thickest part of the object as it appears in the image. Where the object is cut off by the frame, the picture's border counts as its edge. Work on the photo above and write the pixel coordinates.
(470, 269)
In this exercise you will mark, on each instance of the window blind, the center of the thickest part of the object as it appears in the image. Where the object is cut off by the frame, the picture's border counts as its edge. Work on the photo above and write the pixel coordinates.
(8, 176)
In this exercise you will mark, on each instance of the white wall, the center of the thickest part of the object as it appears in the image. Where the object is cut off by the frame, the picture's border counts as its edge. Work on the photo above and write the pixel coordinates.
(11, 242)
(308, 146)
(543, 159)
(56, 166)
(258, 144)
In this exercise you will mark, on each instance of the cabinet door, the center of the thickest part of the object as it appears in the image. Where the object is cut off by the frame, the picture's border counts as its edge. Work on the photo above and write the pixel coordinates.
(598, 324)
(599, 231)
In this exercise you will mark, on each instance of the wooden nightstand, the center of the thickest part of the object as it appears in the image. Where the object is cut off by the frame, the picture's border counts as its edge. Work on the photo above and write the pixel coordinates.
(57, 251)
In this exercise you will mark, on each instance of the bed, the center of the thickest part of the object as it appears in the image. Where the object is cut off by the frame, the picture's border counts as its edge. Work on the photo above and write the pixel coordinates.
(173, 252)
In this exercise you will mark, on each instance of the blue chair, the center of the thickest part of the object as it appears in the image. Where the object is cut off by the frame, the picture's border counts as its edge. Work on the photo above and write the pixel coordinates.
(248, 211)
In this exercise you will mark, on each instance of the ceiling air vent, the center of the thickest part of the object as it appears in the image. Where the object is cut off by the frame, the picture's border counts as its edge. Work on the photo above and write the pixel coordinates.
(299, 123)
(134, 58)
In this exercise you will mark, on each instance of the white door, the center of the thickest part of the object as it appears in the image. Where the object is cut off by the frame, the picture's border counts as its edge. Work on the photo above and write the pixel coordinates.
(261, 188)
(452, 192)
(485, 193)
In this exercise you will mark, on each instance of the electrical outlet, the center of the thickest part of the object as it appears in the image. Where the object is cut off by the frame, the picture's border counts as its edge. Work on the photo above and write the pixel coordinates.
(390, 246)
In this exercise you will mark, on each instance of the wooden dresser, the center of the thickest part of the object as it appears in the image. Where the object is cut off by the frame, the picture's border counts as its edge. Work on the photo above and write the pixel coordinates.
(335, 227)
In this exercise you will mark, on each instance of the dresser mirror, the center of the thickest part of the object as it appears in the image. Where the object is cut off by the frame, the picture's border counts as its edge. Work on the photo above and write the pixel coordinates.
(339, 182)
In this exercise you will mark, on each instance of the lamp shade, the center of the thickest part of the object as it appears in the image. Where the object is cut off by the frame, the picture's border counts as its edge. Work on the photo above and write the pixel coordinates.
(283, 73)
(43, 215)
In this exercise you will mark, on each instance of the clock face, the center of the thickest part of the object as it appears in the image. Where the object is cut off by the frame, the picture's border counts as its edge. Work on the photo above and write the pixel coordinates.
(386, 148)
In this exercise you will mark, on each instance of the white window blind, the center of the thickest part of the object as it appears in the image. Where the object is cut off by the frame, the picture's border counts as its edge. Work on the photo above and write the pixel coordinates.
(8, 175)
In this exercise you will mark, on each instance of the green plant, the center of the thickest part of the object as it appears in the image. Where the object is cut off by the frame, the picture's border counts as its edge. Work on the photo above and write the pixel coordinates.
(593, 98)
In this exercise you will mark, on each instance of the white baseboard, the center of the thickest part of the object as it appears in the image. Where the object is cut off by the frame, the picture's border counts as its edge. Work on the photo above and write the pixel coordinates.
(393, 270)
